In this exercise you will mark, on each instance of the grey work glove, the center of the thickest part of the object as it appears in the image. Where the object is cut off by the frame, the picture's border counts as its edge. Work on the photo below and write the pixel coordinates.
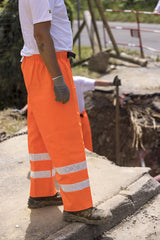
(61, 90)
(116, 81)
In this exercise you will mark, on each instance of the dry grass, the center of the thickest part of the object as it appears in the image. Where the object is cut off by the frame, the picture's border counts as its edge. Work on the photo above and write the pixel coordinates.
(11, 122)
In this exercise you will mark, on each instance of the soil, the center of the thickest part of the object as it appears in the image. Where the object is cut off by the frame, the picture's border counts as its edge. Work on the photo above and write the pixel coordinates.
(139, 118)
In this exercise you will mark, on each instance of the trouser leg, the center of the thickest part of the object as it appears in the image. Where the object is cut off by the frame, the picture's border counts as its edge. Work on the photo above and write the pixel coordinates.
(86, 129)
(42, 174)
(60, 128)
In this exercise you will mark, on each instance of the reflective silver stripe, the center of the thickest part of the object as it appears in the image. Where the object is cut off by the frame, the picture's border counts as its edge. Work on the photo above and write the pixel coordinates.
(53, 172)
(39, 157)
(72, 168)
(75, 187)
(42, 174)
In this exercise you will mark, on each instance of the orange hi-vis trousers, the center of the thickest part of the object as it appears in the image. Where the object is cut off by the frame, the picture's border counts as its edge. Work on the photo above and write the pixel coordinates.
(86, 129)
(55, 140)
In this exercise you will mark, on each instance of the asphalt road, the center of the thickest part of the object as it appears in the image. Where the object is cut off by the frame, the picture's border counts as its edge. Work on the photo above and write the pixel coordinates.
(143, 225)
(149, 39)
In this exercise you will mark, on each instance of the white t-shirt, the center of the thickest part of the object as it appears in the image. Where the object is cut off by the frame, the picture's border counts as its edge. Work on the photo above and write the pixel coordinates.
(158, 6)
(82, 85)
(36, 11)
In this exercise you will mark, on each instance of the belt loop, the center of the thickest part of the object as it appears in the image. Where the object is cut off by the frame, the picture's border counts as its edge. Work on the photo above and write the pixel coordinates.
(71, 54)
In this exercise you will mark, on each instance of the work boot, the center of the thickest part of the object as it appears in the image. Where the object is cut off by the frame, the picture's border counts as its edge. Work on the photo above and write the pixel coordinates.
(89, 216)
(41, 202)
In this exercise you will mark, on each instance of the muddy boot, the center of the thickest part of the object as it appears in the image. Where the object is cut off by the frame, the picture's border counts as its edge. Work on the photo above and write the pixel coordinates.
(89, 216)
(41, 202)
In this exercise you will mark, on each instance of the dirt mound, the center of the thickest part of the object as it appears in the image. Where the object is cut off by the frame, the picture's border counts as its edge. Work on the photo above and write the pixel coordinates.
(139, 123)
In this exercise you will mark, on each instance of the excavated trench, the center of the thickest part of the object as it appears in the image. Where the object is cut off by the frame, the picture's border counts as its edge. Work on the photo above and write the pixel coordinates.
(139, 128)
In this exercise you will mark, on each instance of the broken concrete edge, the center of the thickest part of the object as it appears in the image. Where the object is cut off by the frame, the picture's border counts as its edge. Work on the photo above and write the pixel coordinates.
(124, 204)
(142, 190)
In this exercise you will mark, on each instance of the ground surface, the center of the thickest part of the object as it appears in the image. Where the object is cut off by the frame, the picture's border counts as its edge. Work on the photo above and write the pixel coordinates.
(143, 225)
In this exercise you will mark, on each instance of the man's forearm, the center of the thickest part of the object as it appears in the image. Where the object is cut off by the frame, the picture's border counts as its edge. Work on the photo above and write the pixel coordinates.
(48, 54)
(102, 83)
(46, 48)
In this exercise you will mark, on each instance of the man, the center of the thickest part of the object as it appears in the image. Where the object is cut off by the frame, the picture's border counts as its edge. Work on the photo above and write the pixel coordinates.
(157, 8)
(82, 85)
(54, 131)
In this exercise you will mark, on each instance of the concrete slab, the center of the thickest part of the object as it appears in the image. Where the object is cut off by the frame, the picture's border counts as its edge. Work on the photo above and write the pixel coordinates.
(135, 79)
(108, 184)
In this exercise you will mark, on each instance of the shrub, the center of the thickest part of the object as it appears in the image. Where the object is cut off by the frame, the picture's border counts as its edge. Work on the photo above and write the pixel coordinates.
(130, 4)
(12, 88)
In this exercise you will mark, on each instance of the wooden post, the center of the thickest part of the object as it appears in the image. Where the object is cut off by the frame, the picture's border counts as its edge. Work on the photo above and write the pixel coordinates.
(78, 19)
(117, 126)
(124, 57)
(94, 24)
(139, 34)
(107, 26)
(78, 33)
(89, 26)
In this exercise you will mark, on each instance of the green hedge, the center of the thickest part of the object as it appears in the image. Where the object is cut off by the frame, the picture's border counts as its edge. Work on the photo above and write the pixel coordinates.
(12, 88)
(123, 4)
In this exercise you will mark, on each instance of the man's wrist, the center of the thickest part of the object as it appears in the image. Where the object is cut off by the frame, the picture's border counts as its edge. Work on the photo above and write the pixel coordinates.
(58, 77)
(59, 80)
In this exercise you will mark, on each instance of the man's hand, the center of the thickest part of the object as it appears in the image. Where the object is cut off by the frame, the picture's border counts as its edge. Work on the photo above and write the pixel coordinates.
(116, 81)
(156, 12)
(61, 90)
